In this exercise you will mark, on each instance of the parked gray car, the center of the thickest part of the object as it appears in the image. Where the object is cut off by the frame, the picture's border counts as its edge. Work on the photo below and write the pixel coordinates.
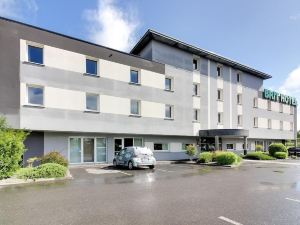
(135, 157)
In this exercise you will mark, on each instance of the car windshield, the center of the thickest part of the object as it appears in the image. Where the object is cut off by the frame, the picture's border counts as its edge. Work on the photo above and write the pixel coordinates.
(143, 151)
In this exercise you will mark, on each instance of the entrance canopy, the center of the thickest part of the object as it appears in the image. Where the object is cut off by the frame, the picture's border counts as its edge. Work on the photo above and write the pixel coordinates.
(224, 133)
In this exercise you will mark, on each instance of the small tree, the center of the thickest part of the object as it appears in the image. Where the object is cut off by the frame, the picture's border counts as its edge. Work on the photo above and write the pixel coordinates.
(191, 151)
(277, 147)
(11, 149)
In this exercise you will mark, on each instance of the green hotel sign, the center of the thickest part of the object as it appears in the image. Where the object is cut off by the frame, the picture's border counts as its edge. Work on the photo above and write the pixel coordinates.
(275, 96)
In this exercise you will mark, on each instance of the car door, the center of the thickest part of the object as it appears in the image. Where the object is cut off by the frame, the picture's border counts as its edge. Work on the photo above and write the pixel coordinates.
(120, 157)
(127, 156)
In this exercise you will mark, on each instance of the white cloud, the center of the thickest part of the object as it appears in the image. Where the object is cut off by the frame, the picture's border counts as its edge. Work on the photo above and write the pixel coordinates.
(295, 17)
(112, 26)
(18, 8)
(291, 86)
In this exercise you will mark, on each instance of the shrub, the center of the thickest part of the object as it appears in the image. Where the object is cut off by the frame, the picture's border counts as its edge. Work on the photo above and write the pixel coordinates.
(48, 170)
(191, 151)
(30, 161)
(227, 158)
(215, 154)
(259, 148)
(258, 156)
(277, 147)
(11, 149)
(280, 155)
(205, 157)
(54, 157)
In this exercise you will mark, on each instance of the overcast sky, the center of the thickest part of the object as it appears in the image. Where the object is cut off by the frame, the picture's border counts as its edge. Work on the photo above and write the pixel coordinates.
(264, 34)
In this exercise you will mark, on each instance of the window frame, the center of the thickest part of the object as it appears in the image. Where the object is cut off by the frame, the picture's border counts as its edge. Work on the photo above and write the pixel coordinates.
(221, 94)
(269, 105)
(255, 102)
(240, 120)
(233, 148)
(171, 111)
(196, 112)
(281, 125)
(219, 74)
(197, 64)
(27, 95)
(138, 76)
(161, 143)
(269, 124)
(139, 108)
(255, 122)
(171, 83)
(98, 102)
(97, 67)
(220, 122)
(197, 85)
(238, 77)
(35, 45)
(239, 99)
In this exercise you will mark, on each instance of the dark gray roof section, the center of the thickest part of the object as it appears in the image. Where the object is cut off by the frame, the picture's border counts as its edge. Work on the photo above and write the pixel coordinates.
(224, 132)
(81, 46)
(154, 35)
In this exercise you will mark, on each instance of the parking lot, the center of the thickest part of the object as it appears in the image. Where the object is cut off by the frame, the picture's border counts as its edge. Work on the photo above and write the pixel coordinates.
(255, 193)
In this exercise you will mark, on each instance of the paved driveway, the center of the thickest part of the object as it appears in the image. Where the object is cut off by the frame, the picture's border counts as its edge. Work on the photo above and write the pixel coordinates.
(255, 193)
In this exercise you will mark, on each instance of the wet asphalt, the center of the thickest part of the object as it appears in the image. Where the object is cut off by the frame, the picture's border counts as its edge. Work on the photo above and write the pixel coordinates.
(184, 194)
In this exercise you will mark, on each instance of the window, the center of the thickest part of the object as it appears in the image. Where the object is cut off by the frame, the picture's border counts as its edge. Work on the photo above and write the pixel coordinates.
(269, 105)
(255, 102)
(195, 64)
(219, 71)
(92, 102)
(135, 107)
(168, 84)
(196, 89)
(281, 108)
(238, 78)
(169, 111)
(91, 67)
(239, 99)
(196, 114)
(220, 118)
(134, 77)
(281, 125)
(161, 147)
(291, 126)
(35, 95)
(35, 54)
(229, 146)
(240, 120)
(292, 110)
(255, 122)
(138, 142)
(269, 124)
(220, 94)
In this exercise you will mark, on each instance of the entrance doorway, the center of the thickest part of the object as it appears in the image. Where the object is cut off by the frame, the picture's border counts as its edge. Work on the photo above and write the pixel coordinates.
(121, 143)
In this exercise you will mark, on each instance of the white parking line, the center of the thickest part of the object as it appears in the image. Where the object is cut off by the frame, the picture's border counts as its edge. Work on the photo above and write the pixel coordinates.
(128, 174)
(168, 171)
(294, 200)
(229, 220)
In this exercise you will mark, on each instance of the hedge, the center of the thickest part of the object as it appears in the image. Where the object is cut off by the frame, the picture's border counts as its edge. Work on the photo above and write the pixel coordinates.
(258, 156)
(280, 155)
(48, 170)
(227, 158)
(277, 147)
(205, 157)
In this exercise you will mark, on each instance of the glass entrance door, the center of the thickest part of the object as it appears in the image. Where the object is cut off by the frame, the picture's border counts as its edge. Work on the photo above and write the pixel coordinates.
(118, 145)
(88, 149)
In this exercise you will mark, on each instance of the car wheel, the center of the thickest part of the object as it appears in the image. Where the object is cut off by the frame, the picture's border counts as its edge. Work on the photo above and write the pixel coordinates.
(130, 165)
(152, 167)
(115, 163)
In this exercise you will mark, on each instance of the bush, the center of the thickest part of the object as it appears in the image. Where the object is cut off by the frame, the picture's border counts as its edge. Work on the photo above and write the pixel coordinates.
(277, 147)
(54, 157)
(11, 149)
(48, 170)
(258, 156)
(259, 148)
(205, 157)
(280, 155)
(227, 158)
(191, 151)
(215, 154)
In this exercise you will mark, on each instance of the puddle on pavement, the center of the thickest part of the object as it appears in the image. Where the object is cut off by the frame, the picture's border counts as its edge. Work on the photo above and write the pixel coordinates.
(281, 186)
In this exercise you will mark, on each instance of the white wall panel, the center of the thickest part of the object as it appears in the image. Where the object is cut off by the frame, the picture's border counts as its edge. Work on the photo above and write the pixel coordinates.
(220, 83)
(196, 76)
(114, 105)
(197, 127)
(275, 106)
(196, 102)
(220, 106)
(286, 108)
(175, 147)
(240, 109)
(114, 70)
(262, 122)
(149, 145)
(151, 79)
(262, 103)
(239, 89)
(286, 125)
(152, 109)
(276, 124)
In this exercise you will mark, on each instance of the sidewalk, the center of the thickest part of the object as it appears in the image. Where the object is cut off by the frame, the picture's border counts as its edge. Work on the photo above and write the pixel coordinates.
(281, 162)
